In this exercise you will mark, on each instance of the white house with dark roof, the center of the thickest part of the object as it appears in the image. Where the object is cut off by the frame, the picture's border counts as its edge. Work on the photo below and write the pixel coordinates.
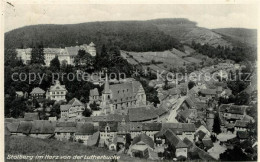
(84, 131)
(73, 109)
(141, 144)
(57, 92)
(178, 146)
(65, 130)
(37, 93)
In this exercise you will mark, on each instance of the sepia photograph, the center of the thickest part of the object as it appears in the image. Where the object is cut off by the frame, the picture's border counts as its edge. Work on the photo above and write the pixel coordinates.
(129, 81)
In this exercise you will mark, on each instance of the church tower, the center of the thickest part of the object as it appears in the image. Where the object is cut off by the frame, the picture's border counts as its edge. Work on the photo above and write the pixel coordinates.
(106, 95)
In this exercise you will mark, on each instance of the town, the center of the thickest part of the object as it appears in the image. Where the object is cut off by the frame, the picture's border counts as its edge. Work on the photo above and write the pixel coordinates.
(200, 118)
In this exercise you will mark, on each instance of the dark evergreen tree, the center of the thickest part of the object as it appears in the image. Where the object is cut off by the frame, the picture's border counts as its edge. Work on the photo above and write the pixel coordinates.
(55, 64)
(191, 84)
(37, 55)
(216, 125)
(87, 112)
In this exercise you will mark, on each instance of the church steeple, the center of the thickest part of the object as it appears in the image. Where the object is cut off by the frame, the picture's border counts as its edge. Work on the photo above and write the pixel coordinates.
(106, 88)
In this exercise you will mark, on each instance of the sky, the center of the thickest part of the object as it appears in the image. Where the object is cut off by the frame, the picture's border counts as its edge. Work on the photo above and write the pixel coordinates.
(207, 15)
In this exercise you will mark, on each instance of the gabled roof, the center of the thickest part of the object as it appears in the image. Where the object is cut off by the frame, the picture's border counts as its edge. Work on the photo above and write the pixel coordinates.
(75, 102)
(31, 116)
(242, 135)
(65, 129)
(13, 127)
(92, 44)
(112, 126)
(94, 92)
(43, 127)
(236, 109)
(52, 50)
(145, 139)
(195, 152)
(207, 143)
(185, 127)
(208, 91)
(66, 124)
(185, 114)
(20, 93)
(37, 90)
(224, 107)
(143, 113)
(200, 134)
(174, 91)
(85, 129)
(174, 140)
(241, 123)
(25, 127)
(73, 51)
(151, 126)
(94, 139)
(11, 120)
(7, 132)
(65, 107)
(57, 87)
(86, 119)
(188, 142)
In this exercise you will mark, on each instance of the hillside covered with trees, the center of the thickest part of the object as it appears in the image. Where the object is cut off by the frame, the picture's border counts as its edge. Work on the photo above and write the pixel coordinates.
(127, 35)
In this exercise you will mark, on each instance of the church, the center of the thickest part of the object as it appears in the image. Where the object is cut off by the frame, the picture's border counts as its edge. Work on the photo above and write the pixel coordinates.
(118, 98)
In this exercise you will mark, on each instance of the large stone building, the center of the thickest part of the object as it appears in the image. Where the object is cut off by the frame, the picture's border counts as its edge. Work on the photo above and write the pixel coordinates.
(117, 98)
(65, 55)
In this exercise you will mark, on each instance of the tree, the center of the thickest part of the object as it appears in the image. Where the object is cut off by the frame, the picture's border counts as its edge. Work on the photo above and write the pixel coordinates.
(83, 59)
(55, 64)
(242, 98)
(94, 106)
(37, 55)
(216, 125)
(103, 51)
(87, 112)
(191, 84)
(55, 111)
(11, 59)
(232, 155)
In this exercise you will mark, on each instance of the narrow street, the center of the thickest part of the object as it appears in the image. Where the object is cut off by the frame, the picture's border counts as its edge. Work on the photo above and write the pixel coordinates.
(176, 106)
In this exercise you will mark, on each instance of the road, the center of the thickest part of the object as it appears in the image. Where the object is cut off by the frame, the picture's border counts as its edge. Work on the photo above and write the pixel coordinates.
(175, 107)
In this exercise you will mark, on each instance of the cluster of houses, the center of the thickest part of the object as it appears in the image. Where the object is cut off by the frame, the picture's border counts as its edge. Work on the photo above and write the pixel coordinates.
(127, 123)
(116, 132)
(57, 92)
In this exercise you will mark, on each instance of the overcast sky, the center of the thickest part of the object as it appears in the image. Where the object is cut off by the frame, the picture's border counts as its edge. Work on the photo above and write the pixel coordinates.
(209, 16)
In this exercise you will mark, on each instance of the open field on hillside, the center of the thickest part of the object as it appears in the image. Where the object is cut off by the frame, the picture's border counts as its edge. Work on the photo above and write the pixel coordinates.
(18, 145)
(165, 60)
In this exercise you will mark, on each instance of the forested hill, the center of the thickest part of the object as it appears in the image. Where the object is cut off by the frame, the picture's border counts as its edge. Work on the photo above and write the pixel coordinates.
(128, 35)
(239, 36)
(149, 35)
